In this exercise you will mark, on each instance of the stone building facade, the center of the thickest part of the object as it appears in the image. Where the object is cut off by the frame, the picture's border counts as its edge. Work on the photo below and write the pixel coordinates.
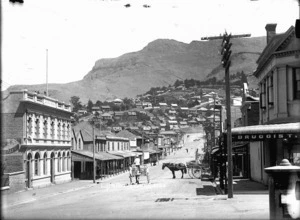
(42, 127)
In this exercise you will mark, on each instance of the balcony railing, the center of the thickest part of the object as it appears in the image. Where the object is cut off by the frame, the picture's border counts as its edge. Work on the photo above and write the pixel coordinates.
(45, 100)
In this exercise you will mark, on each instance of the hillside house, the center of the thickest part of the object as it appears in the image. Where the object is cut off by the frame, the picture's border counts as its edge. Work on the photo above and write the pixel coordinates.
(105, 108)
(96, 109)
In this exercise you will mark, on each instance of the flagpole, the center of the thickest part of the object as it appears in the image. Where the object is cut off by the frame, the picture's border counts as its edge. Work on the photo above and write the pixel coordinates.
(47, 72)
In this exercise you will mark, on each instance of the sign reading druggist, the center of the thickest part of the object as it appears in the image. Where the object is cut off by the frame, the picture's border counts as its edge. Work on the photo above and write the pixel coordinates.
(261, 137)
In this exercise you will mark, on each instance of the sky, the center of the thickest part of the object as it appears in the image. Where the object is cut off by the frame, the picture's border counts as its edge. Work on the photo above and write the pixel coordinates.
(62, 39)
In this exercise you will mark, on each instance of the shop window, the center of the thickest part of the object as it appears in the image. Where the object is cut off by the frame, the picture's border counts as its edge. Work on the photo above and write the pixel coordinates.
(296, 76)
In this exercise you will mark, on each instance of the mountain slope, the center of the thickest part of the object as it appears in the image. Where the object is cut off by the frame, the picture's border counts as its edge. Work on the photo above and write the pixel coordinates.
(160, 63)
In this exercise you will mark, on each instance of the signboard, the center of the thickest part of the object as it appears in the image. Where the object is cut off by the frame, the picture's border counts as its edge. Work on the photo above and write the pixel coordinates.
(261, 137)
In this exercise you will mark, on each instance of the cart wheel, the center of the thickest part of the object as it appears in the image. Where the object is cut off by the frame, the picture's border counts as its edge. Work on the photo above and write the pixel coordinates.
(196, 173)
(190, 173)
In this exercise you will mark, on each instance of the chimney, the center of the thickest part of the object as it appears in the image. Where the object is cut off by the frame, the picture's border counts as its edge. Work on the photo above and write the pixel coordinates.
(271, 31)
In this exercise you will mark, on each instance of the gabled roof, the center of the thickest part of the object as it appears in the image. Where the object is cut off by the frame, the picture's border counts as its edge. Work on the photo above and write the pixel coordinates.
(275, 43)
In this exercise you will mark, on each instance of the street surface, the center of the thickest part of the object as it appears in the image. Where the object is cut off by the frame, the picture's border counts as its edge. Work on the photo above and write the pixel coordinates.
(163, 198)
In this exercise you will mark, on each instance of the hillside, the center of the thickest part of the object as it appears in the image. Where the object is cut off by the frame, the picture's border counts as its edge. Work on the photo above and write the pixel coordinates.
(160, 63)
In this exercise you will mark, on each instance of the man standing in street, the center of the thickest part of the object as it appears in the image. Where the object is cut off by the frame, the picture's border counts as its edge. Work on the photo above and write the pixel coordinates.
(137, 162)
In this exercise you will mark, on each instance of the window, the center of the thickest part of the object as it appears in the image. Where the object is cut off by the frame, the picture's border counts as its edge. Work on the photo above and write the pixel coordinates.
(63, 131)
(29, 126)
(262, 98)
(52, 129)
(68, 131)
(36, 164)
(45, 128)
(58, 162)
(45, 163)
(37, 128)
(270, 91)
(296, 76)
(63, 162)
(59, 131)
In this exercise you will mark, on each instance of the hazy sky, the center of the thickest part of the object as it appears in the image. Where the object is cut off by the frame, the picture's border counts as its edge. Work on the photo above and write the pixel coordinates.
(79, 32)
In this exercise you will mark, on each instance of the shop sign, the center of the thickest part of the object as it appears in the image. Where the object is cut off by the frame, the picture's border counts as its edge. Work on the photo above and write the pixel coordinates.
(240, 150)
(261, 137)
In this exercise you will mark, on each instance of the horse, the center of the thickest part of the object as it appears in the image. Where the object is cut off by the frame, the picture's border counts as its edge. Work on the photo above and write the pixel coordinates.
(175, 167)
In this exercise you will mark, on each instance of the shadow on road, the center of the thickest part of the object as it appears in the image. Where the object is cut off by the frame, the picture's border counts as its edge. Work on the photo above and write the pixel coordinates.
(206, 191)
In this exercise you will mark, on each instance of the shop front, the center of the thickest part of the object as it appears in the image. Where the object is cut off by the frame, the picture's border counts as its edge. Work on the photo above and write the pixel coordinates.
(264, 146)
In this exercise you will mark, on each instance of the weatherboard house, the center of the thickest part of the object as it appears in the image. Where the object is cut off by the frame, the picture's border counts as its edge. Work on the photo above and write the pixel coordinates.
(40, 129)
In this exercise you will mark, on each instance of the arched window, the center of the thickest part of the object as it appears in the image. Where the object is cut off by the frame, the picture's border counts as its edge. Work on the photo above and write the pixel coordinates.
(63, 162)
(45, 164)
(59, 162)
(36, 164)
(69, 161)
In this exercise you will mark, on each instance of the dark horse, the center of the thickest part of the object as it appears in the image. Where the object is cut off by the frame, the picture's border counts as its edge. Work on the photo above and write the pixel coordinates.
(175, 167)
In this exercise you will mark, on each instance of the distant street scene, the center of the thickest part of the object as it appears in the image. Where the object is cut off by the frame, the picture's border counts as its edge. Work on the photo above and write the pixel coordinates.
(163, 198)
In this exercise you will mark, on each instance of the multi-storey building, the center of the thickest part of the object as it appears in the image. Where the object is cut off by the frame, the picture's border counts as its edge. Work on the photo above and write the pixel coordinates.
(42, 127)
(277, 135)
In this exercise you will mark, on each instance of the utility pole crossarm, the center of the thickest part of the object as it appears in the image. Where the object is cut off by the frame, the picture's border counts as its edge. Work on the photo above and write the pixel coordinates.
(221, 37)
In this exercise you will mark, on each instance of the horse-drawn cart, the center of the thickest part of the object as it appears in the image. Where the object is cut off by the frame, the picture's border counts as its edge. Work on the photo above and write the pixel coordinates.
(135, 172)
(196, 170)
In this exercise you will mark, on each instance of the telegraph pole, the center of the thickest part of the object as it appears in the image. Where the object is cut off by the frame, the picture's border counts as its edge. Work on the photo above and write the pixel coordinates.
(94, 161)
(226, 52)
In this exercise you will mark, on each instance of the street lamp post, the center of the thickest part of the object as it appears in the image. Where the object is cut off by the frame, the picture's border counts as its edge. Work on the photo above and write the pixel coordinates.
(95, 119)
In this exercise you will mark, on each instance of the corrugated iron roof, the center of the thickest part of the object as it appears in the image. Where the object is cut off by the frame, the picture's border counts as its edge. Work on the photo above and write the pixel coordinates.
(98, 155)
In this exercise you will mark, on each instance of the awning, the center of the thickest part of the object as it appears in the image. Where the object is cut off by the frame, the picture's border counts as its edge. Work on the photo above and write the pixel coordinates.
(138, 153)
(262, 132)
(98, 156)
(165, 146)
(131, 153)
(121, 154)
(151, 151)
